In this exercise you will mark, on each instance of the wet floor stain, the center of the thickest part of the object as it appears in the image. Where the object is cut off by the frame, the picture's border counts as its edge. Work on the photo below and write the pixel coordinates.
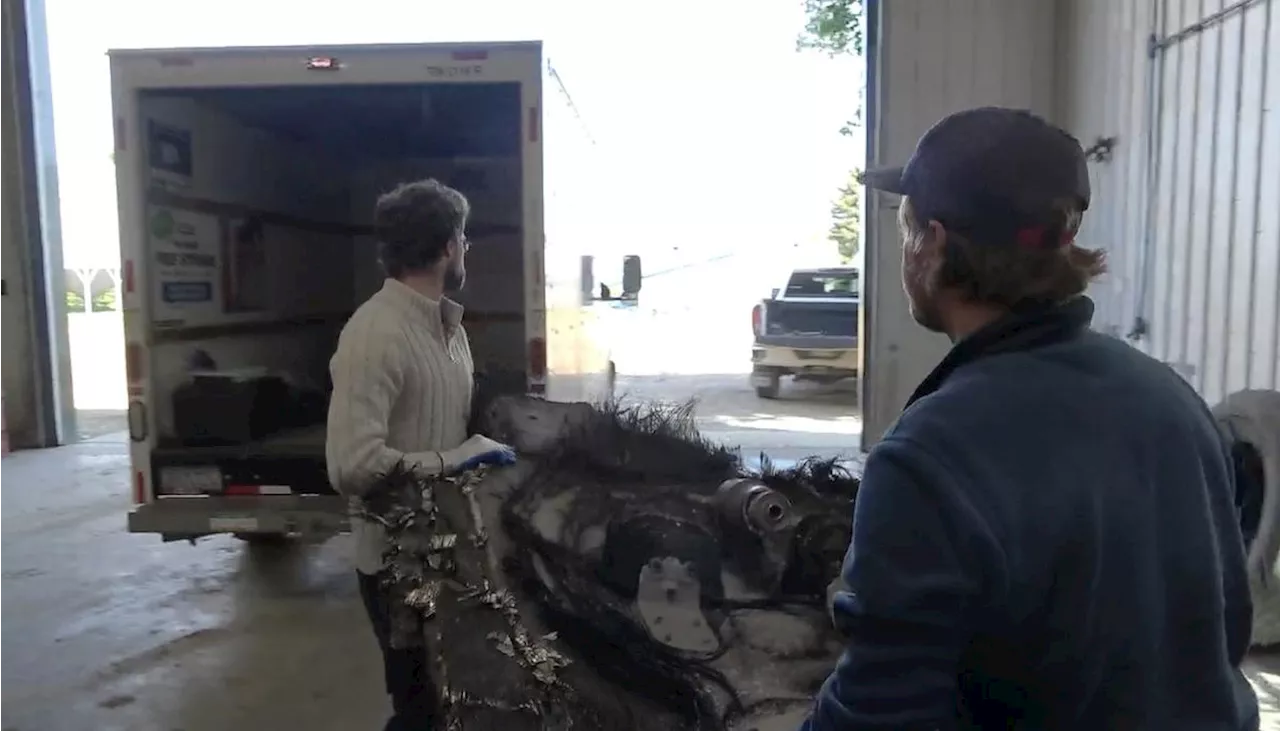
(117, 701)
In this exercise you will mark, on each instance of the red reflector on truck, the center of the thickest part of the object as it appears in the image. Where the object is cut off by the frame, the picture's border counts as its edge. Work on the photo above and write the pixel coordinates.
(257, 490)
(323, 63)
(538, 359)
(139, 488)
(133, 363)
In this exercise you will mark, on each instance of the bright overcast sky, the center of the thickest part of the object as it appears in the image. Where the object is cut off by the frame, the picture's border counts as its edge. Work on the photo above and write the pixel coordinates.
(706, 104)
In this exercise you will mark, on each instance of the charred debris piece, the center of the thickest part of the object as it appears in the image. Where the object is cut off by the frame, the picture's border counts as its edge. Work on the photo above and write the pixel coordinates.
(622, 576)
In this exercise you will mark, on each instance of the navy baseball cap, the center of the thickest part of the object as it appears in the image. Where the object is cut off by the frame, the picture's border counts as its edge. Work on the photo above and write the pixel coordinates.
(995, 171)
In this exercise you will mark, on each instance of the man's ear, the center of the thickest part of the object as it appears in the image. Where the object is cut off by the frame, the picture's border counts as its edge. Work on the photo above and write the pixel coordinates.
(935, 238)
(930, 253)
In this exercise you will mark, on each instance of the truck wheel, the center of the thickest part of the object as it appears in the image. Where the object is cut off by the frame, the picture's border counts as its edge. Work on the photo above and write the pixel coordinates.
(771, 390)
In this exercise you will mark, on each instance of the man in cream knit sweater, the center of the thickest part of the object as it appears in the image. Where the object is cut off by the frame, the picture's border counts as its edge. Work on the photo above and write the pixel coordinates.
(402, 383)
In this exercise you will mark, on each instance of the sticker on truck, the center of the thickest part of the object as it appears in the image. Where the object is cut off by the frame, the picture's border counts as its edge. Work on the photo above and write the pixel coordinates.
(169, 154)
(236, 524)
(186, 263)
(190, 480)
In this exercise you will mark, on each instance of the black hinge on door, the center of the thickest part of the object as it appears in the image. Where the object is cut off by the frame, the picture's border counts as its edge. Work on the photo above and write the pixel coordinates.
(1100, 151)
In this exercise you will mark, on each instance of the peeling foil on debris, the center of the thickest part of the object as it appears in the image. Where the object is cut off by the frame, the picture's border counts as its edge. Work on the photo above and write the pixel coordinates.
(460, 699)
(541, 660)
(424, 598)
(443, 541)
(545, 664)
(469, 481)
(503, 643)
(407, 568)
(422, 562)
(478, 592)
(502, 600)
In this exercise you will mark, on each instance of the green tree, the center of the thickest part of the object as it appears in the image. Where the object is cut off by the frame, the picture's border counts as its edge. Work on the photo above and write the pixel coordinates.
(105, 301)
(846, 219)
(835, 27)
(75, 301)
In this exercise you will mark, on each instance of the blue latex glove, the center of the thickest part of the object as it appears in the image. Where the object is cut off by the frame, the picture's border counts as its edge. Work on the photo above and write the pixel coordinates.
(477, 450)
(496, 457)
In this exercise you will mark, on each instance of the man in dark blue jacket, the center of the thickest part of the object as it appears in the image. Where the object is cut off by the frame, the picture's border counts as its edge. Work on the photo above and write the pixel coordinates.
(1047, 537)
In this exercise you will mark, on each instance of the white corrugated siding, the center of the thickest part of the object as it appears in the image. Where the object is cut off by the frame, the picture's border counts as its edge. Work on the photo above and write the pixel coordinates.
(1192, 225)
(1103, 94)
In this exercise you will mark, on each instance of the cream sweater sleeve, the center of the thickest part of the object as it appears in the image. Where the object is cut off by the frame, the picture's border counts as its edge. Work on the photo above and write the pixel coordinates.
(368, 372)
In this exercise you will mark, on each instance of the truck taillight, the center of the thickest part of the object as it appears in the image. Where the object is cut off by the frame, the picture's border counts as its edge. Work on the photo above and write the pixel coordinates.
(757, 319)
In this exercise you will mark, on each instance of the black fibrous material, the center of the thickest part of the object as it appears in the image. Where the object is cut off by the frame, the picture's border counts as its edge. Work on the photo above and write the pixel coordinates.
(817, 476)
(644, 445)
(596, 663)
(630, 463)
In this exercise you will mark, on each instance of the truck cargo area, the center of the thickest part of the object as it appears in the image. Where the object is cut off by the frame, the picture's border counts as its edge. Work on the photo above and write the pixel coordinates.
(815, 303)
(259, 246)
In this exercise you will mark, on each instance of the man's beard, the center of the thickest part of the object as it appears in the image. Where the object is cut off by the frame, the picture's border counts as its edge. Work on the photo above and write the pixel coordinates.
(455, 277)
(923, 307)
(925, 313)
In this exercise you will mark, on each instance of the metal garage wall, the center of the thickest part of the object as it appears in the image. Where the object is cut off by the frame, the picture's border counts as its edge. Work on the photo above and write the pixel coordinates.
(927, 58)
(36, 372)
(1189, 208)
(1102, 92)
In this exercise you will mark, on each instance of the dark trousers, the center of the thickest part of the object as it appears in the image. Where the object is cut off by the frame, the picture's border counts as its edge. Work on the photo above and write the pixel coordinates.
(413, 694)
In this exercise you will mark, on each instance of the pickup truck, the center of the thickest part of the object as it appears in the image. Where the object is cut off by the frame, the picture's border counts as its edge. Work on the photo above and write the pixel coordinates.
(807, 329)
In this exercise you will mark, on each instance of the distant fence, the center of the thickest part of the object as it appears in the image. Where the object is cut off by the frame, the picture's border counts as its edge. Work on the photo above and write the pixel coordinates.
(97, 360)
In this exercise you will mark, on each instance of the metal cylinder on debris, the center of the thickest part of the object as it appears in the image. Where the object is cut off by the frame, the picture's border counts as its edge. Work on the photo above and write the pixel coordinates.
(749, 504)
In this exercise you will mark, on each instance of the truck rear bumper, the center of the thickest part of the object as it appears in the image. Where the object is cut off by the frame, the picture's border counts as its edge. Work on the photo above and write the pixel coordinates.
(805, 360)
(191, 517)
(807, 342)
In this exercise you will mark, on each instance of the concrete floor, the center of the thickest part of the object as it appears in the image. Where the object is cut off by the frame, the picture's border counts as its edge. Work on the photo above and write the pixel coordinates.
(105, 630)
(94, 423)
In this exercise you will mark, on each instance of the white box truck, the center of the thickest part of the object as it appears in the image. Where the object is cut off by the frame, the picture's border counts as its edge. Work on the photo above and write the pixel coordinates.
(246, 181)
